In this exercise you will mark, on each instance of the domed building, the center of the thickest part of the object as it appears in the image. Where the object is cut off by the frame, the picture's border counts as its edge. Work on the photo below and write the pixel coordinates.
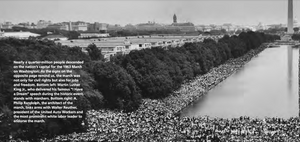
(296, 24)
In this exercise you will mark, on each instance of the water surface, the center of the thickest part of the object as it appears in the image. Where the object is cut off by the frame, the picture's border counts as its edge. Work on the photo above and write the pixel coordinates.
(267, 86)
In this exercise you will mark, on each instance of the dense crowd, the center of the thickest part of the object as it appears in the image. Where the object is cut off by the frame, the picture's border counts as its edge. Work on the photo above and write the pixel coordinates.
(156, 120)
(106, 125)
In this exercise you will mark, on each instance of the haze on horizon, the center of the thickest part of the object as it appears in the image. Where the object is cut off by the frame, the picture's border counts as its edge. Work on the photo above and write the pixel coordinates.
(243, 12)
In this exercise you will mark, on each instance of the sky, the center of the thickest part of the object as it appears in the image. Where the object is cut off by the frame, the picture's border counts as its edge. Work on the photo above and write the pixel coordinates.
(240, 12)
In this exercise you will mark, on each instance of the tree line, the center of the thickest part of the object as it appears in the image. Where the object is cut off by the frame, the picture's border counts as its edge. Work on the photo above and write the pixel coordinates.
(119, 84)
(157, 72)
(296, 36)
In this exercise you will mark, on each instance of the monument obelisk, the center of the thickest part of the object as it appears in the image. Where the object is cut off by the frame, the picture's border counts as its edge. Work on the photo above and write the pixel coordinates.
(290, 26)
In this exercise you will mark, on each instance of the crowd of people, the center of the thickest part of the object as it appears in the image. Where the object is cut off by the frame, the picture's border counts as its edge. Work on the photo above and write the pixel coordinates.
(113, 126)
(156, 120)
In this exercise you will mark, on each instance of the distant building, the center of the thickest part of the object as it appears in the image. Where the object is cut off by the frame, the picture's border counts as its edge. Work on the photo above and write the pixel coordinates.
(114, 28)
(286, 38)
(111, 47)
(200, 27)
(184, 27)
(228, 27)
(174, 18)
(75, 26)
(296, 24)
(124, 45)
(79, 26)
(33, 26)
(108, 48)
(58, 26)
(251, 28)
(93, 35)
(19, 35)
(276, 26)
(55, 37)
(70, 27)
(172, 28)
(30, 26)
(260, 26)
(26, 25)
(98, 27)
(150, 26)
(42, 24)
(7, 25)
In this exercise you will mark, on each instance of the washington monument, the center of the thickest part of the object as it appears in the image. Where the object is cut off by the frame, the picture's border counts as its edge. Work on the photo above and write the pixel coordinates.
(290, 29)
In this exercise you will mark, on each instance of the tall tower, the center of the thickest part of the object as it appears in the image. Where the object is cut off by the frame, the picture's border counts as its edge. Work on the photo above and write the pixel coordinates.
(70, 26)
(174, 19)
(290, 29)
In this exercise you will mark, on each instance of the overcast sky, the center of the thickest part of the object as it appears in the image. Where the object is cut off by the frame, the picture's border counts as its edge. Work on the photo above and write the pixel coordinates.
(243, 12)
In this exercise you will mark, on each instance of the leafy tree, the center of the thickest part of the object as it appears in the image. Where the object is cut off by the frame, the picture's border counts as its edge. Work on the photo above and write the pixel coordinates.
(117, 86)
(94, 52)
(296, 36)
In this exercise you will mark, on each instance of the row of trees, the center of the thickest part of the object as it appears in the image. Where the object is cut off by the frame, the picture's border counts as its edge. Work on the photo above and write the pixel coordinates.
(296, 36)
(120, 83)
(278, 30)
(157, 72)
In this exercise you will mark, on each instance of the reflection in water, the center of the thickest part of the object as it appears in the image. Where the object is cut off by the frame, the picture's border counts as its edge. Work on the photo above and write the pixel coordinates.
(267, 86)
(290, 67)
